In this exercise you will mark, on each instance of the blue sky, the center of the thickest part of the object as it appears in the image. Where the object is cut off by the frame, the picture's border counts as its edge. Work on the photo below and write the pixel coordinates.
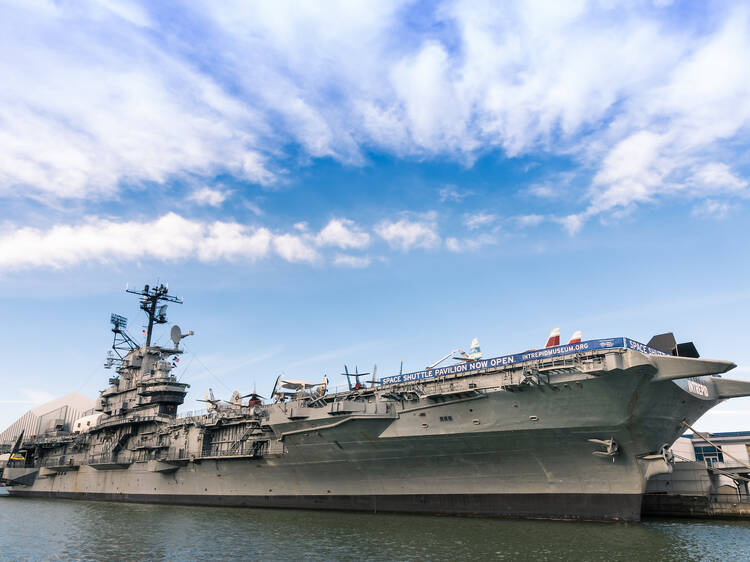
(368, 183)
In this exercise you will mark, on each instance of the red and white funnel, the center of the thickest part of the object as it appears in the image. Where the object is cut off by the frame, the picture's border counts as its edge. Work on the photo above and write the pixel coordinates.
(554, 338)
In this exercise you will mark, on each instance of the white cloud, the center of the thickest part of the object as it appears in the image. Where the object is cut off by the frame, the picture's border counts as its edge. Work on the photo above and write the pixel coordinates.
(208, 196)
(130, 12)
(469, 244)
(717, 177)
(406, 234)
(231, 241)
(424, 83)
(168, 238)
(554, 186)
(572, 223)
(453, 194)
(97, 97)
(543, 190)
(631, 172)
(346, 260)
(294, 249)
(91, 99)
(670, 130)
(529, 220)
(710, 209)
(478, 220)
(253, 208)
(344, 234)
(453, 244)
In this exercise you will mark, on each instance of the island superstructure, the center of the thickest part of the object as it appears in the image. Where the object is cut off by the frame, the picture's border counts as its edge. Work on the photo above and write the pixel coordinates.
(567, 431)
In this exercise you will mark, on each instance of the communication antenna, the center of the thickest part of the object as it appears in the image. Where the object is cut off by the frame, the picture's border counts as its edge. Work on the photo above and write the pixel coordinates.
(161, 314)
(176, 335)
(122, 343)
(150, 299)
(119, 322)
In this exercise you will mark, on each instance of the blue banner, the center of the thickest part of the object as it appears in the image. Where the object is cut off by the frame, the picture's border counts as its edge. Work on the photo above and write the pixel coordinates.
(545, 353)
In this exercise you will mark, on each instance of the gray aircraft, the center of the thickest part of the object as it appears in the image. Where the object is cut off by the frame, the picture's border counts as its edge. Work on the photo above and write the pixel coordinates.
(566, 431)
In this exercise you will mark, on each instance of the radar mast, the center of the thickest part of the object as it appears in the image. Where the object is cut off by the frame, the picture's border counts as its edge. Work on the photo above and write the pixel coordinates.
(150, 299)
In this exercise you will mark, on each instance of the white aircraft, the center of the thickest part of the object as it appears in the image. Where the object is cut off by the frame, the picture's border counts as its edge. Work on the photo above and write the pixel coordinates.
(475, 353)
(297, 385)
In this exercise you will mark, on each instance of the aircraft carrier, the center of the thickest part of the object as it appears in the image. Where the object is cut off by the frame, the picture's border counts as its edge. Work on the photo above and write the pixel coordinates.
(566, 431)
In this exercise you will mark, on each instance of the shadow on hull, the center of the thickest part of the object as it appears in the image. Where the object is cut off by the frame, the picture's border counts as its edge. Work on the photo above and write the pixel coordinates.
(599, 507)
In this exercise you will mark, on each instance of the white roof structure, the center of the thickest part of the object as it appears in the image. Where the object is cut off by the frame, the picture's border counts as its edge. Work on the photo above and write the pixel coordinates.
(36, 421)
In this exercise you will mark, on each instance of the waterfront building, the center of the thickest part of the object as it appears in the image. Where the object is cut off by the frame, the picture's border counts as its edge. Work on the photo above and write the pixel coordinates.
(710, 476)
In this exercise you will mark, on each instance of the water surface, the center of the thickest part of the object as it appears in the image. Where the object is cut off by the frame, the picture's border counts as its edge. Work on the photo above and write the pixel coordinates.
(40, 529)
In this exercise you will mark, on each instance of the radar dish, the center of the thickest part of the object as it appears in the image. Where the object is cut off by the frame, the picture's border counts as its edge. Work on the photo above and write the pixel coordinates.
(176, 334)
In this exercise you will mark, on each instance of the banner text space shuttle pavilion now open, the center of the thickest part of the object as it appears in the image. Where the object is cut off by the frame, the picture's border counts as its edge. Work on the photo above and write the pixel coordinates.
(504, 360)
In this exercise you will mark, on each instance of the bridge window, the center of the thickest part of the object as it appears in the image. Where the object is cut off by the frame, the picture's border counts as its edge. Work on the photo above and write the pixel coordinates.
(709, 454)
(446, 418)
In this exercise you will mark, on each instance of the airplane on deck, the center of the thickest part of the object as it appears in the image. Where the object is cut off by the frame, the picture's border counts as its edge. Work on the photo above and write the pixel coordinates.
(554, 338)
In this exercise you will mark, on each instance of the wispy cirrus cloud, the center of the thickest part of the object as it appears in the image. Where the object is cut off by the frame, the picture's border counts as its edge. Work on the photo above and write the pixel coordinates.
(101, 97)
(91, 101)
(346, 260)
(453, 194)
(528, 221)
(671, 131)
(716, 177)
(710, 209)
(478, 220)
(470, 243)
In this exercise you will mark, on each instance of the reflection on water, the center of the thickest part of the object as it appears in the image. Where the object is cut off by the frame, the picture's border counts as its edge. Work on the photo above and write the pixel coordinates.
(64, 530)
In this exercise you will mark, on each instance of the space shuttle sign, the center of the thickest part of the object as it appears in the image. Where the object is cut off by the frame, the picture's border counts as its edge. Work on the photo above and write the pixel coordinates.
(545, 353)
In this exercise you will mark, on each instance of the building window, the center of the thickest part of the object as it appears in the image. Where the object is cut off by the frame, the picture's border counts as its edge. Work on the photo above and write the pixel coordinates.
(709, 454)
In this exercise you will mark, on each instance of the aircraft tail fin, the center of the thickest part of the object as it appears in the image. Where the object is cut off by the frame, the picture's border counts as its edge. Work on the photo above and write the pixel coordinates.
(554, 338)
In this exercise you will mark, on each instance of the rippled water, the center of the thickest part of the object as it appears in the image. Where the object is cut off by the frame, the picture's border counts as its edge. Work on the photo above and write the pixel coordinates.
(65, 530)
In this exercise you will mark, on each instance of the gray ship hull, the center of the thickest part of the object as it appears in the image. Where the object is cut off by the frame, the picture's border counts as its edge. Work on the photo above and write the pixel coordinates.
(509, 452)
(568, 431)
